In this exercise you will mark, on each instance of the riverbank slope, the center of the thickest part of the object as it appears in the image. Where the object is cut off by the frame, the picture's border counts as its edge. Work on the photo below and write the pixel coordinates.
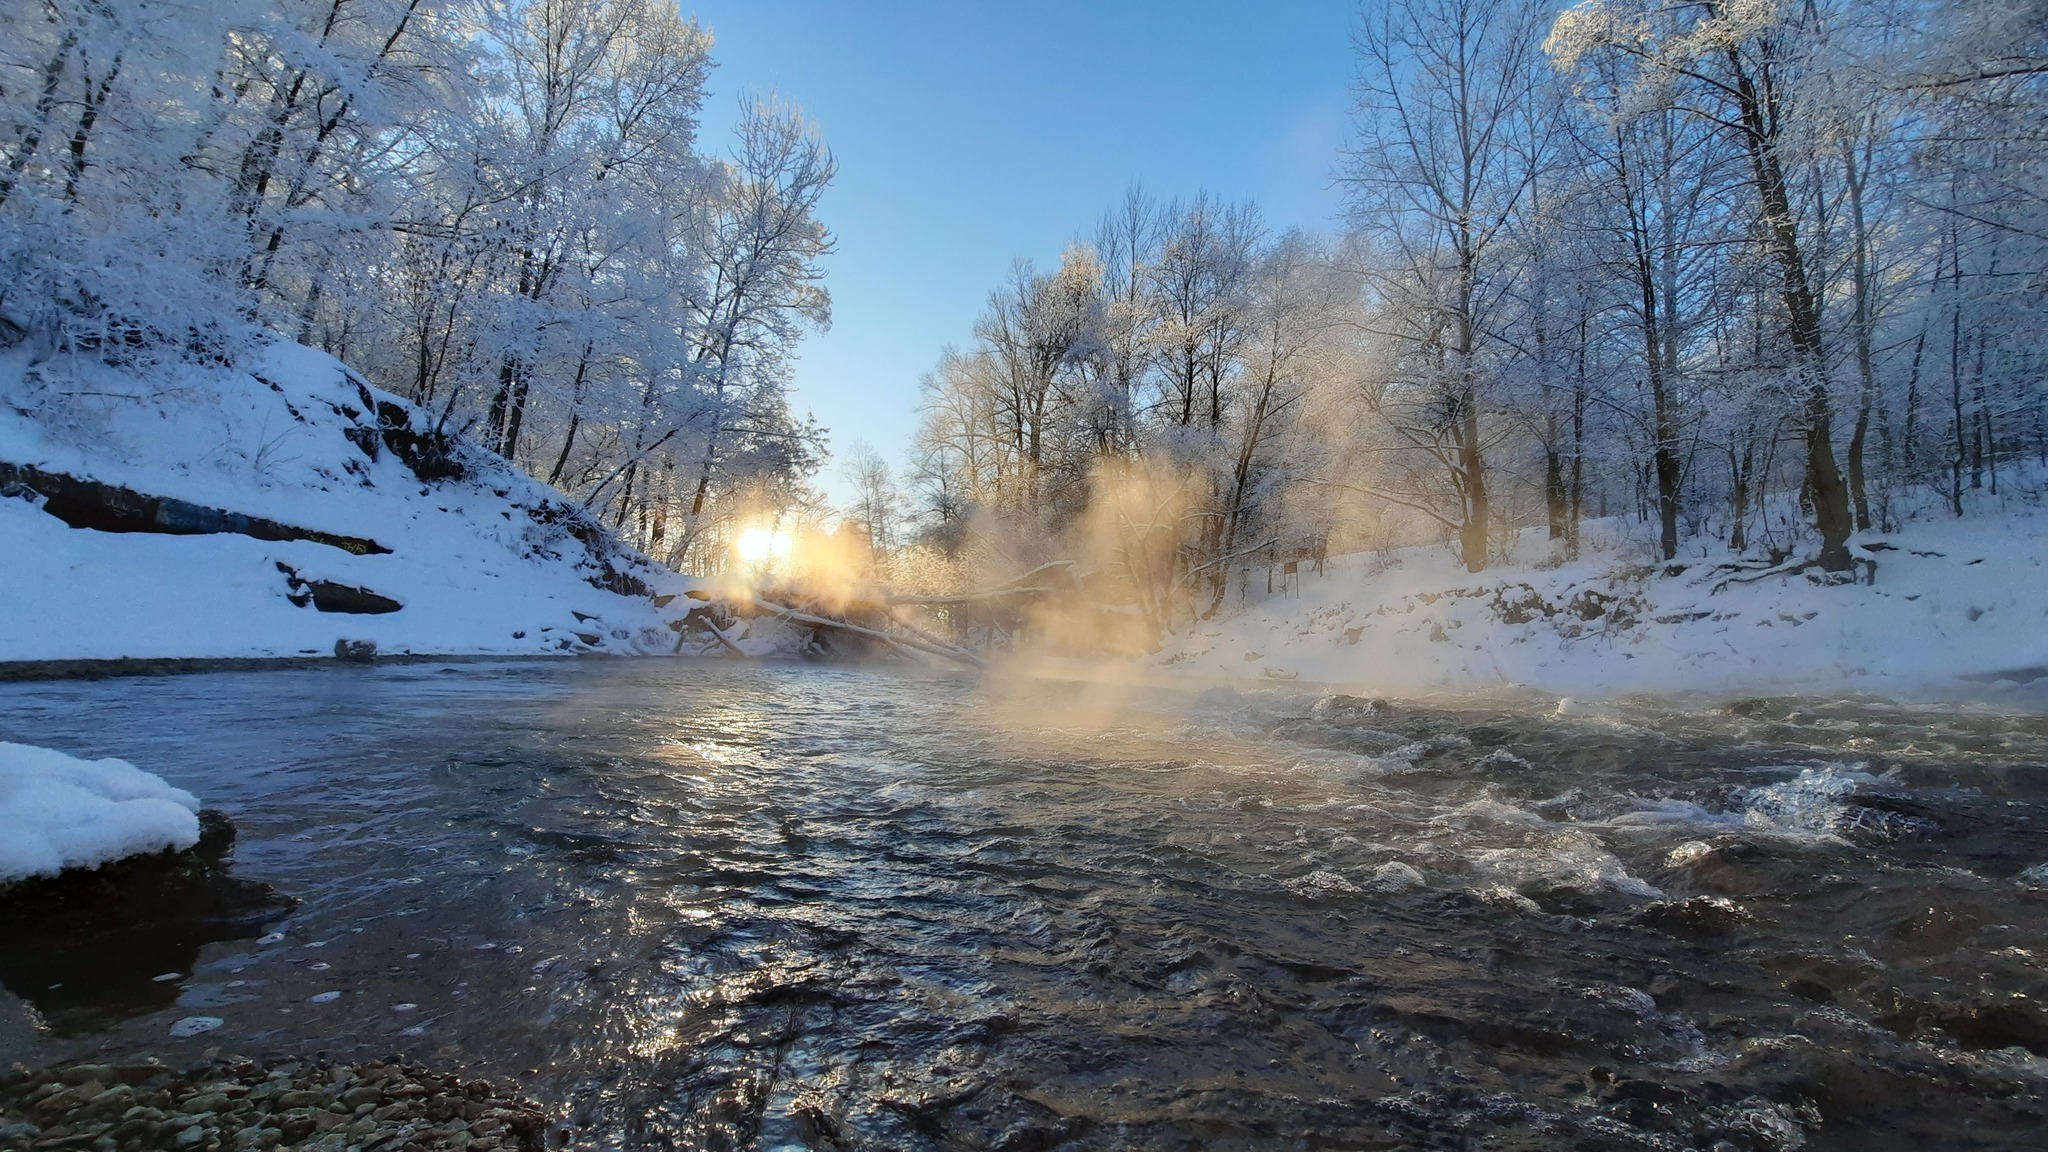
(287, 509)
(1944, 608)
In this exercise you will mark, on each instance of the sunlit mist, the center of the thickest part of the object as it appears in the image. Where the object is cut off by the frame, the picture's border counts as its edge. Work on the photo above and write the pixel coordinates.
(764, 546)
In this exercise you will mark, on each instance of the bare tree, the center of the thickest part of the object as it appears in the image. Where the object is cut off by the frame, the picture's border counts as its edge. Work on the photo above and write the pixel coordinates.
(1435, 176)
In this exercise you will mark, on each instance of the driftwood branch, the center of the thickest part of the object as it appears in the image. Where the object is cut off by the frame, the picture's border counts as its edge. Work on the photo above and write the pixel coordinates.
(724, 641)
(925, 636)
(1765, 574)
(982, 597)
(1199, 568)
(1025, 584)
(1072, 570)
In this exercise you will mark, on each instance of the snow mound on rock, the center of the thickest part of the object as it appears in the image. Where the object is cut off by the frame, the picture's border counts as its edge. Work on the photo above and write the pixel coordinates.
(58, 812)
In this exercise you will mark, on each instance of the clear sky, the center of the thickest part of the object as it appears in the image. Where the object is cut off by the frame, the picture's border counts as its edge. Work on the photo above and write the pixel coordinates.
(973, 132)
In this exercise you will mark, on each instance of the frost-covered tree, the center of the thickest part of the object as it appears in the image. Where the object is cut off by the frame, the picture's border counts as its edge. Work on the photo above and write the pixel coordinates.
(1753, 274)
(498, 208)
(1444, 159)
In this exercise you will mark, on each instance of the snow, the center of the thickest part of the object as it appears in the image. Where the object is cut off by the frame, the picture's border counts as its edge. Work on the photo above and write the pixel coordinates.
(475, 571)
(58, 812)
(1958, 609)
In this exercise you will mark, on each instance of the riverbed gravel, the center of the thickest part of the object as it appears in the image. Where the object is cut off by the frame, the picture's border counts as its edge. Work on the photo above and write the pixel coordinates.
(230, 1104)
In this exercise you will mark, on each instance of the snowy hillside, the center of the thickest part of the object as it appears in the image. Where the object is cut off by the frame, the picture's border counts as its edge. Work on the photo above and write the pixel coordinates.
(288, 510)
(1958, 607)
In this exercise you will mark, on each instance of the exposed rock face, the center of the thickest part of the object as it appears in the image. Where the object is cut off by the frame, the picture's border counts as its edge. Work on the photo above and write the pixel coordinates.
(329, 596)
(111, 508)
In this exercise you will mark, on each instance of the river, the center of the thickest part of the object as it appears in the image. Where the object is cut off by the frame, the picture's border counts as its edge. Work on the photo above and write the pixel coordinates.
(695, 904)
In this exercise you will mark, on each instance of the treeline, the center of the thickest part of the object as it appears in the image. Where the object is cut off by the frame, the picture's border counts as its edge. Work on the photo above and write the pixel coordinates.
(1758, 273)
(500, 209)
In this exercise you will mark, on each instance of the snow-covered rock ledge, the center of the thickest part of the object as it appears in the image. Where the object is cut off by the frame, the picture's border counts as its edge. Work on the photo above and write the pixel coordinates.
(109, 878)
(193, 512)
(1957, 609)
(59, 812)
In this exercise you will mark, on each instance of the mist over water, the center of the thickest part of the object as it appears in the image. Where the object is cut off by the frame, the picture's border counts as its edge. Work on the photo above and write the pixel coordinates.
(700, 904)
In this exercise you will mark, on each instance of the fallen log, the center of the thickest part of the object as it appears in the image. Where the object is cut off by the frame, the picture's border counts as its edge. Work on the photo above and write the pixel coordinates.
(902, 644)
(724, 641)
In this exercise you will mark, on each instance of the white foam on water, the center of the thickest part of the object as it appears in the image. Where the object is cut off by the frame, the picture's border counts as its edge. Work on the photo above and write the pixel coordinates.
(1502, 896)
(1811, 802)
(1321, 882)
(1500, 759)
(1571, 860)
(1811, 805)
(1487, 810)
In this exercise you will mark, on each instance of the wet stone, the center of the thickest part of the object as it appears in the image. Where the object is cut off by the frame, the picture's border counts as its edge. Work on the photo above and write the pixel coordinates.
(211, 1102)
(240, 1106)
(1695, 918)
(1993, 1026)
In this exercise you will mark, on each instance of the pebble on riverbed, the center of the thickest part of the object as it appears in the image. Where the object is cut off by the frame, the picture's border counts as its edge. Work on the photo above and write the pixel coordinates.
(235, 1105)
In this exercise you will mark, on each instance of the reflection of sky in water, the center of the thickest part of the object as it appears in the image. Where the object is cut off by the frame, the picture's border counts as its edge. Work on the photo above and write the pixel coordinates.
(768, 899)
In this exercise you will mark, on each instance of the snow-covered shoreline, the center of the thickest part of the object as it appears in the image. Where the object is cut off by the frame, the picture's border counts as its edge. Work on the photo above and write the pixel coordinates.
(285, 513)
(1958, 610)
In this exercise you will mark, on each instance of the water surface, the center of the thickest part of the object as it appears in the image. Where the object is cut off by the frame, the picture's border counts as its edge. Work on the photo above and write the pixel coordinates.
(702, 905)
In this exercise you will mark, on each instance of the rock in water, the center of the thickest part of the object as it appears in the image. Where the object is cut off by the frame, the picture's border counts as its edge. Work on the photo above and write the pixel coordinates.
(85, 947)
(355, 651)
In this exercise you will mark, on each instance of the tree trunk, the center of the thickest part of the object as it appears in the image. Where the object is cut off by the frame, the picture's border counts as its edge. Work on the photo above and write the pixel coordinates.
(1830, 496)
(1860, 319)
(95, 97)
(46, 102)
(1472, 469)
(1556, 503)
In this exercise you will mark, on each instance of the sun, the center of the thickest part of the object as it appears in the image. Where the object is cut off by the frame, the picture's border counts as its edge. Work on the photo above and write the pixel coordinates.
(762, 545)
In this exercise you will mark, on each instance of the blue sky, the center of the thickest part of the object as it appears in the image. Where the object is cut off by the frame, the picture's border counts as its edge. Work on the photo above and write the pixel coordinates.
(974, 132)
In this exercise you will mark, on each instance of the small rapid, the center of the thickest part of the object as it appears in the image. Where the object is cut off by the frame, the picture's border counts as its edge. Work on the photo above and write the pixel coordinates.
(699, 905)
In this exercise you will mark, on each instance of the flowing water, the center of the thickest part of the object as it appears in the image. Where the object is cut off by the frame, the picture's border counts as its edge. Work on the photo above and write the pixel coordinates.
(702, 905)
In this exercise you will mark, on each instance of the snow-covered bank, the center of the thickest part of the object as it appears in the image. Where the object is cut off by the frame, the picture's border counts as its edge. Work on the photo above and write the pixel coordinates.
(1959, 607)
(58, 812)
(279, 511)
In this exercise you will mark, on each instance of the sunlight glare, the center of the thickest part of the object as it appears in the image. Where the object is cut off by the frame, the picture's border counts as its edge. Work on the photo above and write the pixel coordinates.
(763, 544)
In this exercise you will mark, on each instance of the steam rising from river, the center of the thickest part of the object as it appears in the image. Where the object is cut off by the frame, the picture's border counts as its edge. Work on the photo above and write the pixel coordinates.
(708, 904)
